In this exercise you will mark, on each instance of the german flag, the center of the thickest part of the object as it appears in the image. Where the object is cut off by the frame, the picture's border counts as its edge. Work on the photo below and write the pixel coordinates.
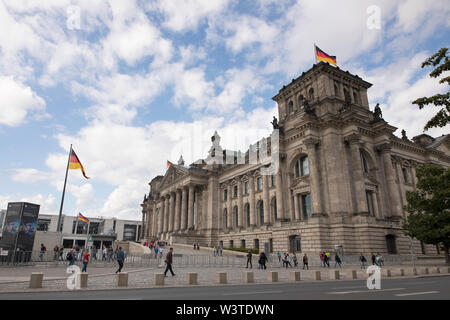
(82, 218)
(322, 56)
(169, 164)
(74, 163)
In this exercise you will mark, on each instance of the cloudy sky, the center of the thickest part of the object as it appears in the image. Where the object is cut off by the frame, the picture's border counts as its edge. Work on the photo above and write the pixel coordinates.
(133, 83)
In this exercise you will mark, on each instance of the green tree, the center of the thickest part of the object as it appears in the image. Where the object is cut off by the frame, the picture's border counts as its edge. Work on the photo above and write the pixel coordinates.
(429, 208)
(442, 117)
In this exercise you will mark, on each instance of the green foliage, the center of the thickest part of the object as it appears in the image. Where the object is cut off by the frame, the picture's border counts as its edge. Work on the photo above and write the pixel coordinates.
(442, 117)
(429, 207)
(254, 251)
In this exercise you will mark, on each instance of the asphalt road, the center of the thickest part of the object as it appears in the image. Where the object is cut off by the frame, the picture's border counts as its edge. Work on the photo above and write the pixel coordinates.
(436, 288)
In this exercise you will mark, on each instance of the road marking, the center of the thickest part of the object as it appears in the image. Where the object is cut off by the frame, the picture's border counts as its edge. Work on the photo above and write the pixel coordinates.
(416, 293)
(420, 282)
(243, 293)
(364, 291)
(358, 287)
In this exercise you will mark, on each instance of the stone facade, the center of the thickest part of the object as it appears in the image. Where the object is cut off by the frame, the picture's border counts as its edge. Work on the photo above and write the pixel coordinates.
(341, 180)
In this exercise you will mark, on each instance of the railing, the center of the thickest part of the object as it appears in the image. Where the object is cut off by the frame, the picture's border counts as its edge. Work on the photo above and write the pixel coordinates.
(200, 260)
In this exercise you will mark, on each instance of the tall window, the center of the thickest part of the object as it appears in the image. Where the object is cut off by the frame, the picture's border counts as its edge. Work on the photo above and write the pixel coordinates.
(301, 167)
(225, 222)
(291, 107)
(364, 163)
(261, 212)
(356, 97)
(247, 213)
(405, 175)
(259, 183)
(235, 191)
(306, 206)
(225, 194)
(273, 180)
(236, 218)
(390, 244)
(301, 100)
(336, 90)
(311, 94)
(274, 208)
(246, 187)
(370, 207)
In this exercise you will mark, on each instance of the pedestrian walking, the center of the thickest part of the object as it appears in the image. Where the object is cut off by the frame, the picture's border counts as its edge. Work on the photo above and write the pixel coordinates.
(161, 251)
(294, 259)
(42, 252)
(284, 259)
(327, 258)
(322, 259)
(363, 260)
(373, 259)
(61, 252)
(71, 256)
(55, 252)
(279, 256)
(220, 250)
(156, 252)
(378, 259)
(168, 262)
(305, 262)
(337, 260)
(120, 259)
(215, 251)
(288, 260)
(249, 259)
(86, 257)
(104, 253)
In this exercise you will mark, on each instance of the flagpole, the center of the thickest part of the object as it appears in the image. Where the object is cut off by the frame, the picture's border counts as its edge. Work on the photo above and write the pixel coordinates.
(315, 53)
(64, 192)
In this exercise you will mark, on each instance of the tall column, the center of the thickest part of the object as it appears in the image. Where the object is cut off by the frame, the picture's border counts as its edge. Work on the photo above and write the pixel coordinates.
(229, 208)
(161, 218)
(394, 198)
(240, 205)
(266, 199)
(401, 184)
(358, 175)
(167, 213)
(172, 211)
(205, 217)
(191, 207)
(280, 203)
(297, 215)
(155, 220)
(251, 186)
(144, 214)
(314, 178)
(183, 209)
(177, 217)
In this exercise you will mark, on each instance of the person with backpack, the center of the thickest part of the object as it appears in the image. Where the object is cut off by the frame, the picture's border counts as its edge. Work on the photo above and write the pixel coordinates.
(249, 259)
(120, 258)
(86, 257)
(71, 256)
(337, 260)
(363, 260)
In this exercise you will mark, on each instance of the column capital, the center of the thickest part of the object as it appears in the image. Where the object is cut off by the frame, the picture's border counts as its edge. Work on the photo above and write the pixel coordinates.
(311, 142)
(353, 138)
(384, 147)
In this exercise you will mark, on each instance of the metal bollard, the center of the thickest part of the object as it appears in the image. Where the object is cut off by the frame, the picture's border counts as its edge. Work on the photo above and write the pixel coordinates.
(122, 279)
(192, 278)
(272, 276)
(36, 280)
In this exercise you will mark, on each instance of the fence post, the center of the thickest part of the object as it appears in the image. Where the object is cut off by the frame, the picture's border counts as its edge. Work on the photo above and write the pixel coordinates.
(192, 278)
(272, 276)
(36, 280)
(122, 279)
(315, 275)
(248, 277)
(158, 279)
(221, 277)
(294, 276)
(84, 279)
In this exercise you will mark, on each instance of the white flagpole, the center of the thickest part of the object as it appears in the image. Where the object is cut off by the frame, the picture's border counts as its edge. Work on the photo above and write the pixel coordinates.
(315, 53)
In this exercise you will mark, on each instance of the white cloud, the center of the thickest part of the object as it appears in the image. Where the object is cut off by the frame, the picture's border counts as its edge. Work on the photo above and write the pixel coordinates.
(18, 101)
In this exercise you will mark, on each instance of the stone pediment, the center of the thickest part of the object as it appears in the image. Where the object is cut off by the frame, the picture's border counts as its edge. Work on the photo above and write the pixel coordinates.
(300, 183)
(173, 174)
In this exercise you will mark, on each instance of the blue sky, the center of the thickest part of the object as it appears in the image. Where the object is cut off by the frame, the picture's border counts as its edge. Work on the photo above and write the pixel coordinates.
(140, 82)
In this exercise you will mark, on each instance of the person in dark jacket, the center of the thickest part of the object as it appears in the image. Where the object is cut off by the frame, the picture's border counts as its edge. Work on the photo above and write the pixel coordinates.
(120, 259)
(169, 263)
(305, 262)
(337, 260)
(249, 259)
(373, 259)
(262, 260)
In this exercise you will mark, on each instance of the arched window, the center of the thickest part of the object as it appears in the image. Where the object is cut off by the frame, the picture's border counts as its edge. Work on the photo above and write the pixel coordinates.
(261, 212)
(301, 167)
(291, 107)
(390, 244)
(311, 94)
(247, 213)
(301, 100)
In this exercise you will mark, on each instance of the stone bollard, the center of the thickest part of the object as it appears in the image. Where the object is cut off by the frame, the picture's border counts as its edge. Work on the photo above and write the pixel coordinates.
(445, 269)
(221, 277)
(272, 276)
(425, 271)
(402, 272)
(122, 279)
(435, 270)
(315, 275)
(334, 275)
(158, 279)
(294, 276)
(413, 272)
(84, 279)
(192, 278)
(248, 277)
(36, 280)
(354, 274)
(386, 272)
